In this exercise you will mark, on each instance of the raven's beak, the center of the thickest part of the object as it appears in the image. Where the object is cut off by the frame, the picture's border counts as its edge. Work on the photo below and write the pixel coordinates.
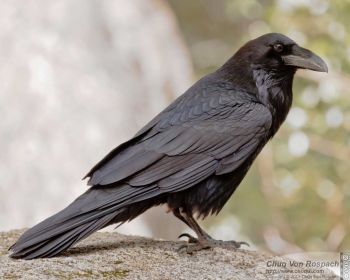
(305, 59)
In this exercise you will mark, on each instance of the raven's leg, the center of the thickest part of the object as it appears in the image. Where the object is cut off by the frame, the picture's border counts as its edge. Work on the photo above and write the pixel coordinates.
(204, 240)
(194, 226)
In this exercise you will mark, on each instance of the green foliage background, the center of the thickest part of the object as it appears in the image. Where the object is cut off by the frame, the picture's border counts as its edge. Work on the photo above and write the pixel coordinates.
(297, 194)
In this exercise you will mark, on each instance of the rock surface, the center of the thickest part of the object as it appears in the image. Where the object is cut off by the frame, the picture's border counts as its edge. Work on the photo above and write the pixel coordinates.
(115, 256)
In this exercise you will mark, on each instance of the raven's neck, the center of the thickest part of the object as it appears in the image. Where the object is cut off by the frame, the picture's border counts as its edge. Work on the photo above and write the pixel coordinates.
(275, 92)
(271, 88)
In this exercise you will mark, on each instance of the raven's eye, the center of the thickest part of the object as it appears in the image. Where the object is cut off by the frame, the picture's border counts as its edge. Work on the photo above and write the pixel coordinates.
(278, 47)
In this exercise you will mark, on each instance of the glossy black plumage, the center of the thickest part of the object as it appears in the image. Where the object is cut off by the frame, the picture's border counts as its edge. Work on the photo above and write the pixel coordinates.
(192, 156)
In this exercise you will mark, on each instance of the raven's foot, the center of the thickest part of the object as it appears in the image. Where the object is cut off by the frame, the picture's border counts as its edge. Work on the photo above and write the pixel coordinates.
(198, 244)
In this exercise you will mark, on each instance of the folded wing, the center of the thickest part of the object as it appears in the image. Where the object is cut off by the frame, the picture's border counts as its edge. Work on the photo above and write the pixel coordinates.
(213, 133)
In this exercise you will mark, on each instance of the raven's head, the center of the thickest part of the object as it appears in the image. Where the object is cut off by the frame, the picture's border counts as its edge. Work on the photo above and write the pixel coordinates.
(265, 67)
(276, 52)
(267, 61)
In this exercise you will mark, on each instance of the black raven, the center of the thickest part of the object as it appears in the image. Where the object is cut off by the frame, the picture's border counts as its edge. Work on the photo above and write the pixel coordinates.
(192, 156)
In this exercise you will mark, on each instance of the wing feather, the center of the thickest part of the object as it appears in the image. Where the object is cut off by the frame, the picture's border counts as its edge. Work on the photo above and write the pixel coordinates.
(206, 133)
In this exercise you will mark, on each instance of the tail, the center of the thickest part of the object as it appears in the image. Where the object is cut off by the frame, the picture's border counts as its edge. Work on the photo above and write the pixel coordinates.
(93, 210)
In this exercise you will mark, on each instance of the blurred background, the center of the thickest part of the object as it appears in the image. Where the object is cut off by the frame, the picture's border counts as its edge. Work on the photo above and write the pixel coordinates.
(77, 78)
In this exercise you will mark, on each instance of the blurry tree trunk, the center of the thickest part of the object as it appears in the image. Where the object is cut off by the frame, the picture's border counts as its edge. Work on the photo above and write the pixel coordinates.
(76, 79)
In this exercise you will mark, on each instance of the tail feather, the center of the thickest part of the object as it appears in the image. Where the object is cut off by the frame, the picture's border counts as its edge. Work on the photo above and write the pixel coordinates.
(93, 210)
(66, 240)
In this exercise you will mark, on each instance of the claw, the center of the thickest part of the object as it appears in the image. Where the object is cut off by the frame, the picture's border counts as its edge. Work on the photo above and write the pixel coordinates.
(181, 248)
(190, 249)
(243, 243)
(191, 239)
(236, 244)
(184, 235)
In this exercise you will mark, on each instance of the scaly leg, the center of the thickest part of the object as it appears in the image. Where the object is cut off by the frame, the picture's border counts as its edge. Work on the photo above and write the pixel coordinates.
(204, 240)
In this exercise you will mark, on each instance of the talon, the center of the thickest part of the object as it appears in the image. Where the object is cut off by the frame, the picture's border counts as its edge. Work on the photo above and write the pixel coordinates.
(244, 243)
(185, 235)
(238, 244)
(181, 248)
(191, 239)
(190, 249)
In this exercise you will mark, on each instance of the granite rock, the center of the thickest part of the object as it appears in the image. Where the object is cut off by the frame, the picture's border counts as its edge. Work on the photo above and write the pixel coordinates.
(114, 256)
